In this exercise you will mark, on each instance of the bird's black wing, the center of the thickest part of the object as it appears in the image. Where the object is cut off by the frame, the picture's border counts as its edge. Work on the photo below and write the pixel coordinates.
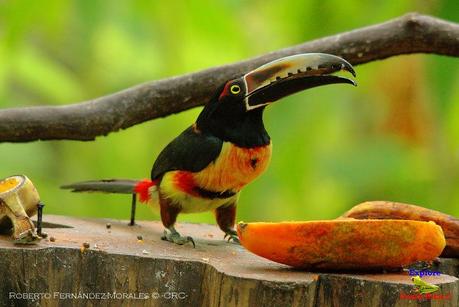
(190, 151)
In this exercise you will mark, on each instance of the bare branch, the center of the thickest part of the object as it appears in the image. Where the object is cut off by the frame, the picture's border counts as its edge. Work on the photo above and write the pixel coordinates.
(411, 33)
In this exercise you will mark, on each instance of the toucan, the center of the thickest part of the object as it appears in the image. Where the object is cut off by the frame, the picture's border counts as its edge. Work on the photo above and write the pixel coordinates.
(207, 165)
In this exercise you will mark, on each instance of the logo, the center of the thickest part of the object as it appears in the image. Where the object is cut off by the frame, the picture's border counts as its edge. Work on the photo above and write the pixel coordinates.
(422, 286)
(426, 272)
(424, 291)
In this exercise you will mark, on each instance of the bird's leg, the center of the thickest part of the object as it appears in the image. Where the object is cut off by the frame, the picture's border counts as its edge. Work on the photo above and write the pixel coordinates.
(169, 214)
(226, 216)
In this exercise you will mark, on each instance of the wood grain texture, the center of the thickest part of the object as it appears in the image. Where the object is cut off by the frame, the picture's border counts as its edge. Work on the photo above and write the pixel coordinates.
(411, 33)
(215, 273)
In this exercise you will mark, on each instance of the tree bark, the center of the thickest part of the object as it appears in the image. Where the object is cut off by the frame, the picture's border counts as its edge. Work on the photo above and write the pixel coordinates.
(411, 33)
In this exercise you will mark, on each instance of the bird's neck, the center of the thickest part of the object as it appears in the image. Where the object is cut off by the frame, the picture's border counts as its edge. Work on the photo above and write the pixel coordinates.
(246, 130)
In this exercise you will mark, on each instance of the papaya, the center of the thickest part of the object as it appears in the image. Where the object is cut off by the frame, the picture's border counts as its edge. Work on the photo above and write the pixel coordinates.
(393, 210)
(344, 244)
(8, 184)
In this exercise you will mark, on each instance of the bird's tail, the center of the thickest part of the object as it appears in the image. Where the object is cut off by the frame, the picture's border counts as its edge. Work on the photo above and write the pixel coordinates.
(120, 186)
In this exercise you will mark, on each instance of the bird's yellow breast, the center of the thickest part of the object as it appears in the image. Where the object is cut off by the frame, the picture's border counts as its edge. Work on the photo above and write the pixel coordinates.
(234, 168)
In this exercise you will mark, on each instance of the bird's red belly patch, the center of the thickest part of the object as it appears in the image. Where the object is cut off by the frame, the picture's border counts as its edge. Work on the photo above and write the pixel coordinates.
(184, 181)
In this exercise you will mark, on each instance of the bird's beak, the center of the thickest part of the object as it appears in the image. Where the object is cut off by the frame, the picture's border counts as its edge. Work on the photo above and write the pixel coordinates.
(286, 76)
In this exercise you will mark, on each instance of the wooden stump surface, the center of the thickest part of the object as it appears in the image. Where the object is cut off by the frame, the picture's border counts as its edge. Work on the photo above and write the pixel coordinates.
(119, 270)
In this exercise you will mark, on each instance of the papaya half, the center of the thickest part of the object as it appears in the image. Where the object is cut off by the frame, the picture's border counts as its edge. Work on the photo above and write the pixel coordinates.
(344, 243)
(393, 210)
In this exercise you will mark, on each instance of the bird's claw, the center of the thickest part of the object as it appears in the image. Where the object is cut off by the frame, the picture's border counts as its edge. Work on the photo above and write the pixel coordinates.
(27, 237)
(232, 236)
(176, 238)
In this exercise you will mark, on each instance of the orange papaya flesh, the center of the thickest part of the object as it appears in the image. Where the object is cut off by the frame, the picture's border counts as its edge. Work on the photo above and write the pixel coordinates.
(344, 244)
(393, 210)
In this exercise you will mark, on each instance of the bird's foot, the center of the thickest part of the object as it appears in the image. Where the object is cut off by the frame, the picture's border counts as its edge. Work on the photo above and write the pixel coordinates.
(174, 237)
(27, 237)
(232, 236)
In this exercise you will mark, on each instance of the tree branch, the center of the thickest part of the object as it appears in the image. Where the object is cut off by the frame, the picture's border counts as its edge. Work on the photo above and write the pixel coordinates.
(411, 33)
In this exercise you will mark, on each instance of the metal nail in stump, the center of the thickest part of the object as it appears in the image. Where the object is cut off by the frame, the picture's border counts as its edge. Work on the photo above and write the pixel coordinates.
(40, 206)
(133, 206)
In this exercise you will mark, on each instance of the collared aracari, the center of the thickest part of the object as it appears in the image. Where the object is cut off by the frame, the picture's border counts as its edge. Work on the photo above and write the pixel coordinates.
(207, 165)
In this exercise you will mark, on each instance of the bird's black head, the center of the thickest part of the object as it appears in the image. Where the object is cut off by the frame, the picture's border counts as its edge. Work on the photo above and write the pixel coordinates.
(235, 113)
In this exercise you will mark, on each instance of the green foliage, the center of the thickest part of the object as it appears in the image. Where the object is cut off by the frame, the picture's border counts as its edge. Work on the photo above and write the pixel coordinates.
(333, 147)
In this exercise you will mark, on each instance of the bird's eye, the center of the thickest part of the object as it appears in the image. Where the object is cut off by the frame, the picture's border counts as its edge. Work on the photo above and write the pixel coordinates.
(235, 89)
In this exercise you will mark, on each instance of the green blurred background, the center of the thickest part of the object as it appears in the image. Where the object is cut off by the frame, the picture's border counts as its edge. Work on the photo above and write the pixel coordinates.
(394, 137)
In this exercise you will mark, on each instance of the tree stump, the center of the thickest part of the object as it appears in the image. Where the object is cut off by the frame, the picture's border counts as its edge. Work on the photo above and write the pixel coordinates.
(118, 269)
